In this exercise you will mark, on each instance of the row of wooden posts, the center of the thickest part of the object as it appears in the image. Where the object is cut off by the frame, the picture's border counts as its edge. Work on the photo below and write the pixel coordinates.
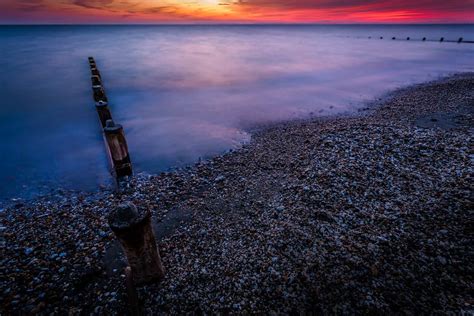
(116, 142)
(424, 39)
(132, 227)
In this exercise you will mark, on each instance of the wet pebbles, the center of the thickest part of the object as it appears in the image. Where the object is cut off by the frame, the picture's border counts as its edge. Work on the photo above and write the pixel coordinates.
(361, 214)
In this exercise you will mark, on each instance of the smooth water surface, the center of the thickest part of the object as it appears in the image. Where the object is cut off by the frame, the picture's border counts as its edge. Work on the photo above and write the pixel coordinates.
(184, 92)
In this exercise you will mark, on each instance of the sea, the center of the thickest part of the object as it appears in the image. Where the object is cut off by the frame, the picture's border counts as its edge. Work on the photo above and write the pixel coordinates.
(189, 92)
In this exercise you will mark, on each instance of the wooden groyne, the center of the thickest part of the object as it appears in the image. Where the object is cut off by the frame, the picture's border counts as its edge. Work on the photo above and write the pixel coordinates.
(460, 40)
(113, 133)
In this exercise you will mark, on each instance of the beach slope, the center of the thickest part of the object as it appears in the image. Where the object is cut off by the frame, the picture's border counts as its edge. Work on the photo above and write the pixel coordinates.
(366, 213)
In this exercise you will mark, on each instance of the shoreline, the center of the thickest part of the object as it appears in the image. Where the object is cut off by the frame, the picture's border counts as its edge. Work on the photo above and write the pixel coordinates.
(307, 216)
(368, 107)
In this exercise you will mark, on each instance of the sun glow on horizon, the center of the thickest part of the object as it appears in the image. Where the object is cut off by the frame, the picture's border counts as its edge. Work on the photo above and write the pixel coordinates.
(235, 11)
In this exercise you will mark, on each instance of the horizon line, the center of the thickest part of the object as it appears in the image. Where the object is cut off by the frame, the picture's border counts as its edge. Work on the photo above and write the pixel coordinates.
(234, 23)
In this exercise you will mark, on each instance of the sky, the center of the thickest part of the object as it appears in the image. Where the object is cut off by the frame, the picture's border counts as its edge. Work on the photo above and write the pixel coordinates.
(235, 11)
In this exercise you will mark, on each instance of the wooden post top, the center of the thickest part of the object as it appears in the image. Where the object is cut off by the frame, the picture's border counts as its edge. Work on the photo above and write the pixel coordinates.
(111, 127)
(127, 216)
(101, 103)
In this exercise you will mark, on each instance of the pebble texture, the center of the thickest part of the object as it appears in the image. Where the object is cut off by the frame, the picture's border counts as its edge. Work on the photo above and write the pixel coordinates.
(364, 214)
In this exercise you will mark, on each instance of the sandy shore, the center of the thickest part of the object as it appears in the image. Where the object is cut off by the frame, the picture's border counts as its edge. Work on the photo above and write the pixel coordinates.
(369, 213)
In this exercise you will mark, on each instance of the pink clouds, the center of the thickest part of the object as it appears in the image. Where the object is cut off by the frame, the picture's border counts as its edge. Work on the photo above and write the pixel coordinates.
(241, 11)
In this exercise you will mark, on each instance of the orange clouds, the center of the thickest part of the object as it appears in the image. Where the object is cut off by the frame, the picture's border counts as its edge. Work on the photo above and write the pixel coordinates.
(240, 11)
(354, 11)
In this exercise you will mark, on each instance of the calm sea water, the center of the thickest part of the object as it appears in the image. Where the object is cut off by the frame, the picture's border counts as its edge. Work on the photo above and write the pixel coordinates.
(183, 92)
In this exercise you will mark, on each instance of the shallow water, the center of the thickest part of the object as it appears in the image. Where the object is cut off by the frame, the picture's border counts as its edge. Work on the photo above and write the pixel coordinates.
(183, 92)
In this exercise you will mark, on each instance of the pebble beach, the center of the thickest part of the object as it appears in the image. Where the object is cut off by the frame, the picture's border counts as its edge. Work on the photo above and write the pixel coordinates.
(364, 213)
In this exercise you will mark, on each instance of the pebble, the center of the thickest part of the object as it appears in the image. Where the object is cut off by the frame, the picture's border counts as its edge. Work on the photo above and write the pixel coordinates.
(28, 251)
(219, 179)
(442, 260)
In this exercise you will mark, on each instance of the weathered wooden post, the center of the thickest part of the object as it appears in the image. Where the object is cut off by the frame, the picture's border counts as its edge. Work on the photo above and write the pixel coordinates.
(118, 149)
(134, 231)
(132, 294)
(103, 110)
(99, 93)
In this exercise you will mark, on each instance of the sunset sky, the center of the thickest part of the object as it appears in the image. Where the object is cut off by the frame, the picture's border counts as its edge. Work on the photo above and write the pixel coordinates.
(236, 11)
